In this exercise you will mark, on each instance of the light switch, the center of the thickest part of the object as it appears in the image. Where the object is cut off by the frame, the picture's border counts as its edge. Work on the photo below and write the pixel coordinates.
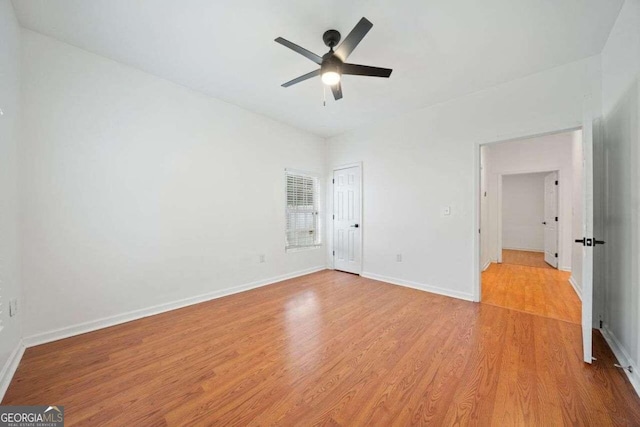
(446, 210)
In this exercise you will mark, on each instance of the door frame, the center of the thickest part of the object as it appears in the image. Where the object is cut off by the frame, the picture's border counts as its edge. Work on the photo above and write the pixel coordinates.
(360, 220)
(477, 170)
(499, 202)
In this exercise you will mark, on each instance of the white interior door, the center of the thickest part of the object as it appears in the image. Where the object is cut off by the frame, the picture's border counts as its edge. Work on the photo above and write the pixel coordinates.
(587, 234)
(347, 226)
(551, 219)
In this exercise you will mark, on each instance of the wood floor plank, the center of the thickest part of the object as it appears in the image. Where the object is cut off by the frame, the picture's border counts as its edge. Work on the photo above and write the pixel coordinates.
(528, 258)
(336, 349)
(541, 291)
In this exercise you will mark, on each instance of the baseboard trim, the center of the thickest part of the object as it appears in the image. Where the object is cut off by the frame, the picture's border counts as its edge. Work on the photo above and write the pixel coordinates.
(575, 287)
(94, 325)
(10, 367)
(565, 268)
(419, 286)
(524, 249)
(623, 357)
(487, 265)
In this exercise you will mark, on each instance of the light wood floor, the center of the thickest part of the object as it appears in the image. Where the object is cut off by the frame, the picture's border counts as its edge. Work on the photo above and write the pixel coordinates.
(542, 291)
(333, 349)
(532, 259)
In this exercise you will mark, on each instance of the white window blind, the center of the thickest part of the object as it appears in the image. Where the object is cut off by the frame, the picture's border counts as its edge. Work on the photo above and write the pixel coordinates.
(302, 210)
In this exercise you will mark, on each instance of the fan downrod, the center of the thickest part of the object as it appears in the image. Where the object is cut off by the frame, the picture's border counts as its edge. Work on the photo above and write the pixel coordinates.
(331, 38)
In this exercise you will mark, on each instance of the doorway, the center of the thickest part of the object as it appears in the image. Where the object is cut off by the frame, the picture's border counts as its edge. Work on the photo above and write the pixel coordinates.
(528, 223)
(545, 285)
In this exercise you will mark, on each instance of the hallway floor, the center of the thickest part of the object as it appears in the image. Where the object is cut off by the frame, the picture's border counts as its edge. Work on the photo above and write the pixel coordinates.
(542, 291)
(531, 259)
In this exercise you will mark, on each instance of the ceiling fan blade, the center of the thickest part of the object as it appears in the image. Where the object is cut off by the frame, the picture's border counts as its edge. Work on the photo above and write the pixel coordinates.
(302, 78)
(365, 70)
(337, 91)
(302, 51)
(353, 39)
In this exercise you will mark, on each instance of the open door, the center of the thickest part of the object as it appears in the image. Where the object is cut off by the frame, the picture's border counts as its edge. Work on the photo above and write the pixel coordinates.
(551, 219)
(587, 240)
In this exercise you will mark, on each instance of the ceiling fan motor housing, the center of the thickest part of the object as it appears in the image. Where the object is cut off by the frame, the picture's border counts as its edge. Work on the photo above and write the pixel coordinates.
(330, 63)
(331, 38)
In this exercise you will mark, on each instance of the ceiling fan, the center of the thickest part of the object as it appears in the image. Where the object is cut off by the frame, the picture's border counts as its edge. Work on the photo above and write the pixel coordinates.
(332, 64)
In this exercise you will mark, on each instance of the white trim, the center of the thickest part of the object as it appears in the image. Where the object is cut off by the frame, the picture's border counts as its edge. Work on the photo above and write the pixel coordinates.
(575, 287)
(347, 166)
(487, 265)
(10, 367)
(535, 133)
(499, 219)
(304, 173)
(637, 159)
(477, 225)
(564, 268)
(623, 357)
(304, 248)
(318, 209)
(106, 322)
(420, 286)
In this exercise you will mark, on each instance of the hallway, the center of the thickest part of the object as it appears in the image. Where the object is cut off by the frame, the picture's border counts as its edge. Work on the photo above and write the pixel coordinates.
(537, 290)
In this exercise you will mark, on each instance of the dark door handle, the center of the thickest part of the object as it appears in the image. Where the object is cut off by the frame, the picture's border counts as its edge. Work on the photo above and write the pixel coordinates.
(356, 225)
(590, 242)
(544, 222)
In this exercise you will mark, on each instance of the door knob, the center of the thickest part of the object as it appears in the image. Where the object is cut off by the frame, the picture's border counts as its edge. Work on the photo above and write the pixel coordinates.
(590, 242)
(544, 222)
(356, 225)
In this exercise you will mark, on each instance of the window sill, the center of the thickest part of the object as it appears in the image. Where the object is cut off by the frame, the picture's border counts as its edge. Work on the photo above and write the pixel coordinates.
(303, 249)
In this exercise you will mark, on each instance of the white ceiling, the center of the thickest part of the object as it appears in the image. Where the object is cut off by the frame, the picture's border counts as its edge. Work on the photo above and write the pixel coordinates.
(438, 49)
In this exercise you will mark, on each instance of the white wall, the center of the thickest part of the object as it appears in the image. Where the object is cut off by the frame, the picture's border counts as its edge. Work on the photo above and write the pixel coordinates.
(523, 211)
(418, 163)
(10, 332)
(621, 96)
(139, 192)
(544, 153)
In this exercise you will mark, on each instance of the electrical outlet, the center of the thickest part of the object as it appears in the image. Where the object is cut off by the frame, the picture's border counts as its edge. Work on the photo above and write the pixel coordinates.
(263, 258)
(399, 258)
(13, 307)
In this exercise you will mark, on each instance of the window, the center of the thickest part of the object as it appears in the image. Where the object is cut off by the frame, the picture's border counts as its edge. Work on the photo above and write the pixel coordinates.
(302, 210)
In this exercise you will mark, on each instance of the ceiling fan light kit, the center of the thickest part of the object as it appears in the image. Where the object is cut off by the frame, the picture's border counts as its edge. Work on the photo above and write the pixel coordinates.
(332, 64)
(330, 78)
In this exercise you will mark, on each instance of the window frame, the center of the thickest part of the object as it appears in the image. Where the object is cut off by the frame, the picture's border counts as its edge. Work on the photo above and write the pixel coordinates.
(317, 210)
